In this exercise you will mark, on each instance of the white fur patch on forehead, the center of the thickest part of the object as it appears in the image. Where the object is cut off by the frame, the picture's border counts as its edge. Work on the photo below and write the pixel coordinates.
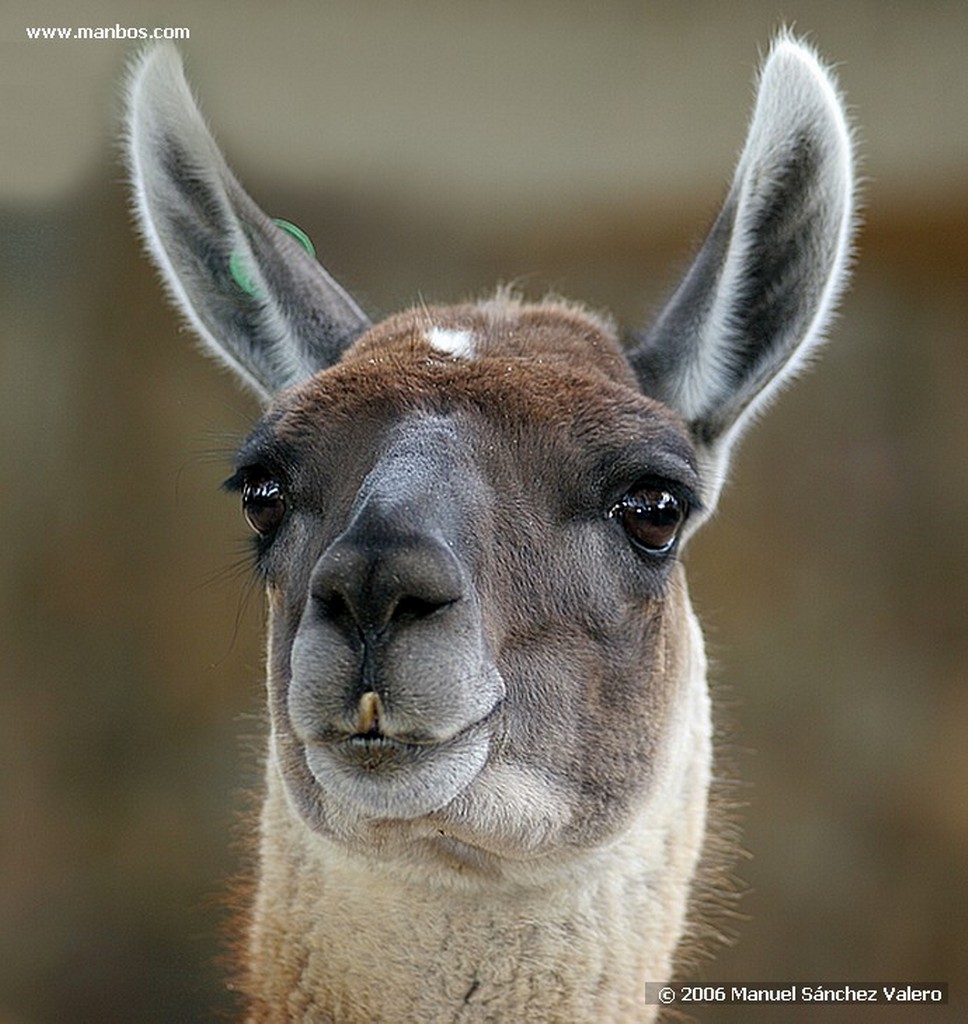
(459, 344)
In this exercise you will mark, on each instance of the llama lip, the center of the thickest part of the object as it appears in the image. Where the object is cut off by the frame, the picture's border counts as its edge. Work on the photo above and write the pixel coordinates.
(388, 777)
(378, 739)
(380, 748)
(374, 751)
(383, 735)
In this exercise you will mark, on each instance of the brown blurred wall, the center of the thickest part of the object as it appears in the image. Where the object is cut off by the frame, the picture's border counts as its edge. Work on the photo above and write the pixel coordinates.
(431, 149)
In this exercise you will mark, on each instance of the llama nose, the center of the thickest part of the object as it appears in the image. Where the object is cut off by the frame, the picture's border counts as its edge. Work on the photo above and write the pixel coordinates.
(367, 588)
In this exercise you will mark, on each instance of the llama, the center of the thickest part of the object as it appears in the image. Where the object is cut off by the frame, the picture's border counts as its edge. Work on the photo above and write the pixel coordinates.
(489, 747)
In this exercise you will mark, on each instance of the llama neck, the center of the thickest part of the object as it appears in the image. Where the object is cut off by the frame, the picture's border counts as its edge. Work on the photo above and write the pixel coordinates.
(338, 938)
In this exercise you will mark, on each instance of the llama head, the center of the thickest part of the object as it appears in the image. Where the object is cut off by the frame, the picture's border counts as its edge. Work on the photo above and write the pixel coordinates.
(469, 517)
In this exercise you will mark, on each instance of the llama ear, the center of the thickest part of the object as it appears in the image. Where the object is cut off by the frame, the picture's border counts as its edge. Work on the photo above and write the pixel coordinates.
(258, 299)
(765, 281)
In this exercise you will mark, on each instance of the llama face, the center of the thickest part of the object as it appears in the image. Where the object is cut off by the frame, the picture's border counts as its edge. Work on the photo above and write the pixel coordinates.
(468, 518)
(469, 528)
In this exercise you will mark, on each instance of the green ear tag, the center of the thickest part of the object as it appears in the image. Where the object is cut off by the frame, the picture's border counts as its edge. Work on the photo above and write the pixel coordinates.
(242, 275)
(301, 237)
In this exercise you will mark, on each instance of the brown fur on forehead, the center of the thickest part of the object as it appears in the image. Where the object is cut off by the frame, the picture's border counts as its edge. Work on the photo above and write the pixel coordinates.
(549, 364)
(515, 393)
(506, 326)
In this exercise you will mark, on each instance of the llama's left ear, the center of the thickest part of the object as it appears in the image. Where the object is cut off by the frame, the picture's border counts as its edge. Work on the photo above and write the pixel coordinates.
(260, 301)
(766, 280)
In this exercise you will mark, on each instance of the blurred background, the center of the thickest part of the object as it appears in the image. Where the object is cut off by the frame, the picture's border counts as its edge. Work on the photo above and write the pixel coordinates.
(431, 149)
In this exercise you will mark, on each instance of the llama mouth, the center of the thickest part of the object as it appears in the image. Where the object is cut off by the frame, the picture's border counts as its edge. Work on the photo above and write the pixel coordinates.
(374, 752)
(379, 776)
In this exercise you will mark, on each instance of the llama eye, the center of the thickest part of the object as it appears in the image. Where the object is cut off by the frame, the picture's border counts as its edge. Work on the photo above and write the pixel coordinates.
(651, 518)
(263, 504)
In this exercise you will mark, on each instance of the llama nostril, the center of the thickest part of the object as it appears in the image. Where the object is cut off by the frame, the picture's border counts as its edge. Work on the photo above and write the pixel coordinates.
(333, 607)
(410, 607)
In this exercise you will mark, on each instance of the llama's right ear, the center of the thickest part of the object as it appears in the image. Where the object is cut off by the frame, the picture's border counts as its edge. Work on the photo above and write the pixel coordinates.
(258, 299)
